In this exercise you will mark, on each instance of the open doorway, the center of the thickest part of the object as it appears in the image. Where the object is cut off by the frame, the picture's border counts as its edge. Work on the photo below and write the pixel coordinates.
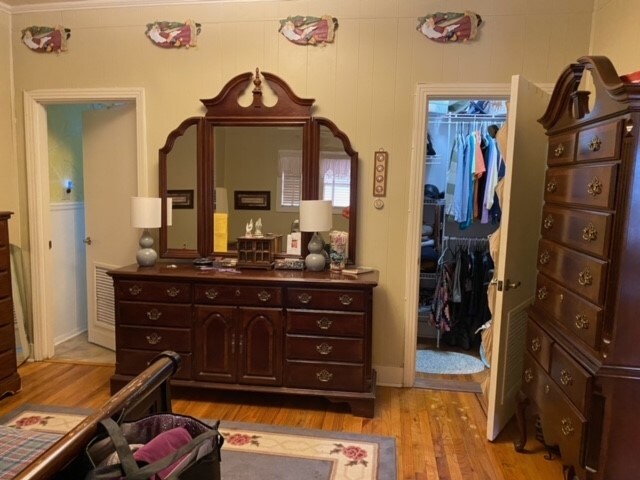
(43, 275)
(460, 210)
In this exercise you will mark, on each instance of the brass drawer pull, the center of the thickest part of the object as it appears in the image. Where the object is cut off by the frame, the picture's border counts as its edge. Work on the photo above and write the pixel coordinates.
(238, 293)
(324, 348)
(528, 375)
(154, 314)
(536, 344)
(264, 296)
(545, 256)
(547, 389)
(154, 338)
(346, 299)
(324, 376)
(589, 233)
(135, 290)
(211, 293)
(173, 291)
(585, 278)
(567, 427)
(324, 323)
(548, 222)
(542, 293)
(595, 144)
(595, 187)
(565, 378)
(559, 150)
(304, 298)
(552, 186)
(582, 322)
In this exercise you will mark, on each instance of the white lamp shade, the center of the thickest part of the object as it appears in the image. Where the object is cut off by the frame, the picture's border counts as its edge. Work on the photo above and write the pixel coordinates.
(222, 202)
(316, 215)
(146, 212)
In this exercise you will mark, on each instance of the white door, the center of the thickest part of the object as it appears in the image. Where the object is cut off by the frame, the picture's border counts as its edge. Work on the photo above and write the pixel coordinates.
(110, 180)
(516, 259)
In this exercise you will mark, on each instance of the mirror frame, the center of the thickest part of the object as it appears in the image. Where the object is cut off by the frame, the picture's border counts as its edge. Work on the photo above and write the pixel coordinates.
(224, 110)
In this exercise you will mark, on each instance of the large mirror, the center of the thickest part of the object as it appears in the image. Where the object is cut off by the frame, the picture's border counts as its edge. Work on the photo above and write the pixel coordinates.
(248, 162)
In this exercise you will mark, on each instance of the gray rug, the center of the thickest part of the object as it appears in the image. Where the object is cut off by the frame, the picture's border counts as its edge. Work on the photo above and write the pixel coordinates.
(438, 361)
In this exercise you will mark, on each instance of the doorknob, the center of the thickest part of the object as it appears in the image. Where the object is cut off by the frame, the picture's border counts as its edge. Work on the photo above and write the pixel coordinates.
(507, 285)
(87, 240)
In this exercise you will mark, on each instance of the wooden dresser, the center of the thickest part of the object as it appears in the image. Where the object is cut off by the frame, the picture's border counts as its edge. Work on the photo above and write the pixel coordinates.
(280, 331)
(582, 365)
(9, 379)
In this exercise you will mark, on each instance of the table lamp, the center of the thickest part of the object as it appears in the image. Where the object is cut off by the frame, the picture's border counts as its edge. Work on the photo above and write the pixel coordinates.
(146, 213)
(315, 216)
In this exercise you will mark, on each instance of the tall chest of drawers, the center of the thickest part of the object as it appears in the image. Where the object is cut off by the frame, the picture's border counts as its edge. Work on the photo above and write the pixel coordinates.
(292, 332)
(582, 364)
(9, 379)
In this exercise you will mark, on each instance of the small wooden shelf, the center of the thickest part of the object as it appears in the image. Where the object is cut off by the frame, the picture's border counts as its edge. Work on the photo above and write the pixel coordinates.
(258, 252)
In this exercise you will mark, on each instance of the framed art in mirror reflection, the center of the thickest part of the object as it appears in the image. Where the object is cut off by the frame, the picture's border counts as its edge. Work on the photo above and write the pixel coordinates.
(181, 198)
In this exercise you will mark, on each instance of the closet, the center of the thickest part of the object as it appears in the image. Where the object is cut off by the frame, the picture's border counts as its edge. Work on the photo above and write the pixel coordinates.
(462, 163)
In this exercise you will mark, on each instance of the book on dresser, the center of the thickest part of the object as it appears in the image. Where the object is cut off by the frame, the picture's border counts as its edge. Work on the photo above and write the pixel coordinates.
(581, 373)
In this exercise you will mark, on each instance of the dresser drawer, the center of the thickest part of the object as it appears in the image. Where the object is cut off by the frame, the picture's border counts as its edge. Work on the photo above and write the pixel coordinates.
(560, 149)
(326, 299)
(591, 186)
(583, 230)
(6, 311)
(580, 317)
(562, 424)
(4, 257)
(535, 382)
(325, 323)
(539, 344)
(171, 292)
(324, 376)
(329, 349)
(7, 363)
(238, 295)
(5, 284)
(600, 143)
(572, 379)
(152, 314)
(582, 274)
(7, 337)
(154, 338)
(132, 362)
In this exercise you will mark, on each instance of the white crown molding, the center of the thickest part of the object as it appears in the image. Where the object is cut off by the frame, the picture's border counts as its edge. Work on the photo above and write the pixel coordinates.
(97, 4)
(4, 8)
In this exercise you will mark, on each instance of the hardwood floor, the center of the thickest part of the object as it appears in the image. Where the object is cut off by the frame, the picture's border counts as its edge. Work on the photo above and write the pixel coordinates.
(440, 435)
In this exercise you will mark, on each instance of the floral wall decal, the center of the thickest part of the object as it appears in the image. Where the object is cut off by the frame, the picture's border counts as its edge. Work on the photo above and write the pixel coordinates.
(450, 26)
(46, 39)
(173, 34)
(309, 30)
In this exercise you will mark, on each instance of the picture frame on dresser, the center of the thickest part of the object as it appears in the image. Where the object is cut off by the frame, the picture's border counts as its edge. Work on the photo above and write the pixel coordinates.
(581, 373)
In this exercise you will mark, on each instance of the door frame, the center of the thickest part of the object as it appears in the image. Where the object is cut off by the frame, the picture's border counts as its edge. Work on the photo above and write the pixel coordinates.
(424, 93)
(38, 200)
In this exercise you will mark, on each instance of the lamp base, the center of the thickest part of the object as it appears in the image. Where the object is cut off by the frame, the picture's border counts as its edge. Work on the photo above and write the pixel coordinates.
(315, 262)
(146, 256)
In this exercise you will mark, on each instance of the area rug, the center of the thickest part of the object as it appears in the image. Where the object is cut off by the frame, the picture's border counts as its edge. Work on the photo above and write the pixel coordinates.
(438, 361)
(255, 451)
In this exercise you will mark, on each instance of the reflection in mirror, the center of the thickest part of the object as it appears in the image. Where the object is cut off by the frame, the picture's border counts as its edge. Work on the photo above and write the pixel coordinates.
(182, 187)
(264, 166)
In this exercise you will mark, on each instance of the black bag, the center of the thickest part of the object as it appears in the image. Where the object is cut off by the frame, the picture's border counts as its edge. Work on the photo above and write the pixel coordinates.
(200, 456)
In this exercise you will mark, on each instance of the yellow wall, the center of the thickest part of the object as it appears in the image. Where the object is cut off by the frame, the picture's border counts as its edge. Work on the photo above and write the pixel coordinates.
(364, 82)
(64, 127)
(616, 33)
(8, 167)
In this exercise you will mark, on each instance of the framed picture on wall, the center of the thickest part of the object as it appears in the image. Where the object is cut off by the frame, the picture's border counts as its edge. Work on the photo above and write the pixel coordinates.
(181, 198)
(252, 200)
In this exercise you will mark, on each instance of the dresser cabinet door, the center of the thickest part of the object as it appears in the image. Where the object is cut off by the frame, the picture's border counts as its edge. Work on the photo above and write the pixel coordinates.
(215, 344)
(259, 346)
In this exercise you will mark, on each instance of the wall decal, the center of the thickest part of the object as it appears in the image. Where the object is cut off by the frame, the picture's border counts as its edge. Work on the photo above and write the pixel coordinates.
(173, 34)
(309, 30)
(46, 39)
(450, 26)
